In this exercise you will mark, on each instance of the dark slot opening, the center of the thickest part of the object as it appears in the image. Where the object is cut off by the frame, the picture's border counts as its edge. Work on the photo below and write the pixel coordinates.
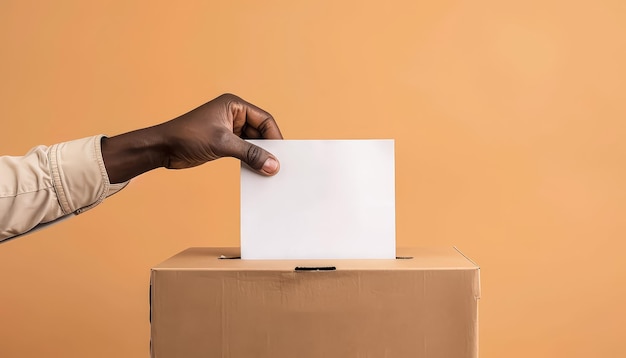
(316, 268)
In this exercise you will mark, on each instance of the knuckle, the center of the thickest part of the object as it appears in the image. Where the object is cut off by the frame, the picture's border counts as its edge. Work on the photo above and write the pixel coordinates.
(233, 102)
(253, 156)
(228, 96)
(267, 124)
(230, 99)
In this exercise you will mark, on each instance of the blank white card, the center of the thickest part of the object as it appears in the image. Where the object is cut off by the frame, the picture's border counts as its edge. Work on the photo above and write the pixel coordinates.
(332, 199)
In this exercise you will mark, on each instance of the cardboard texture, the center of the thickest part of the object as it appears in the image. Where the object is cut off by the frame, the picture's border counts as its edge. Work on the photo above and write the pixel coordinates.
(424, 304)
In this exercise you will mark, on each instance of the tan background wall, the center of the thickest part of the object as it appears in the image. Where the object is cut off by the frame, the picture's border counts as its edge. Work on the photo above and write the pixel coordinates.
(509, 125)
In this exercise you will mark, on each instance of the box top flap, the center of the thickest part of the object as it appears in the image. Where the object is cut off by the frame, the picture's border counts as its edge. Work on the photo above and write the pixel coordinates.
(227, 259)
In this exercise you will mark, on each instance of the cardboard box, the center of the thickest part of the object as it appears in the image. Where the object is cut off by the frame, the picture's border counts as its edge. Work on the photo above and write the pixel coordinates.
(423, 304)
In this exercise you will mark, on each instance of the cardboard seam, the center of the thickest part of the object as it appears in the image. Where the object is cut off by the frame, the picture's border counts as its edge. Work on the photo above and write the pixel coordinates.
(151, 295)
(477, 285)
(466, 257)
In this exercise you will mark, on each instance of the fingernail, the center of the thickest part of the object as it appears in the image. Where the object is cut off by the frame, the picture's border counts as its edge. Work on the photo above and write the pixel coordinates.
(270, 165)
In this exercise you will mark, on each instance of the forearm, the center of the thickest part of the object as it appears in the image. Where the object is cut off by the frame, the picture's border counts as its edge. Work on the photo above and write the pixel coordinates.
(48, 183)
(75, 176)
(131, 154)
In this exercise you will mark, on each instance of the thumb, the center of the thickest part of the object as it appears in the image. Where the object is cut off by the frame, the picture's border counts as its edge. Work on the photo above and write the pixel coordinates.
(257, 158)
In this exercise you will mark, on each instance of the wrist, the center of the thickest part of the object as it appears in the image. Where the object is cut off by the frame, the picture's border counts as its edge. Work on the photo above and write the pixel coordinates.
(157, 145)
(130, 154)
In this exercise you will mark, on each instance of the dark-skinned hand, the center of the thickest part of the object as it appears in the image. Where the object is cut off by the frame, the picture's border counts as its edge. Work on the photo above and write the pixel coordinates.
(214, 130)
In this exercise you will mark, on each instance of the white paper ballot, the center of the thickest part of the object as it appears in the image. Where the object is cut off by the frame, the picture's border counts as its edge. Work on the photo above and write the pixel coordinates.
(332, 199)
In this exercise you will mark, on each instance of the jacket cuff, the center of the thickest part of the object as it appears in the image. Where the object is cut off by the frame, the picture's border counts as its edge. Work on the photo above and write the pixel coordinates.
(79, 175)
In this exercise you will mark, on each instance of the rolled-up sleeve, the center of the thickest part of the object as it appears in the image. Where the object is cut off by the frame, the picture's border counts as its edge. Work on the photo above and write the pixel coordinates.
(49, 183)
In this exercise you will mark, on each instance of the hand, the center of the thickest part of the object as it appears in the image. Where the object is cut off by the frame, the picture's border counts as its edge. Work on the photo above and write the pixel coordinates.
(216, 129)
(211, 131)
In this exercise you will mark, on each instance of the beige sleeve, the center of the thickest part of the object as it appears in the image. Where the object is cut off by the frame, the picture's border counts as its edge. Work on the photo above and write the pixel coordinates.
(49, 183)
